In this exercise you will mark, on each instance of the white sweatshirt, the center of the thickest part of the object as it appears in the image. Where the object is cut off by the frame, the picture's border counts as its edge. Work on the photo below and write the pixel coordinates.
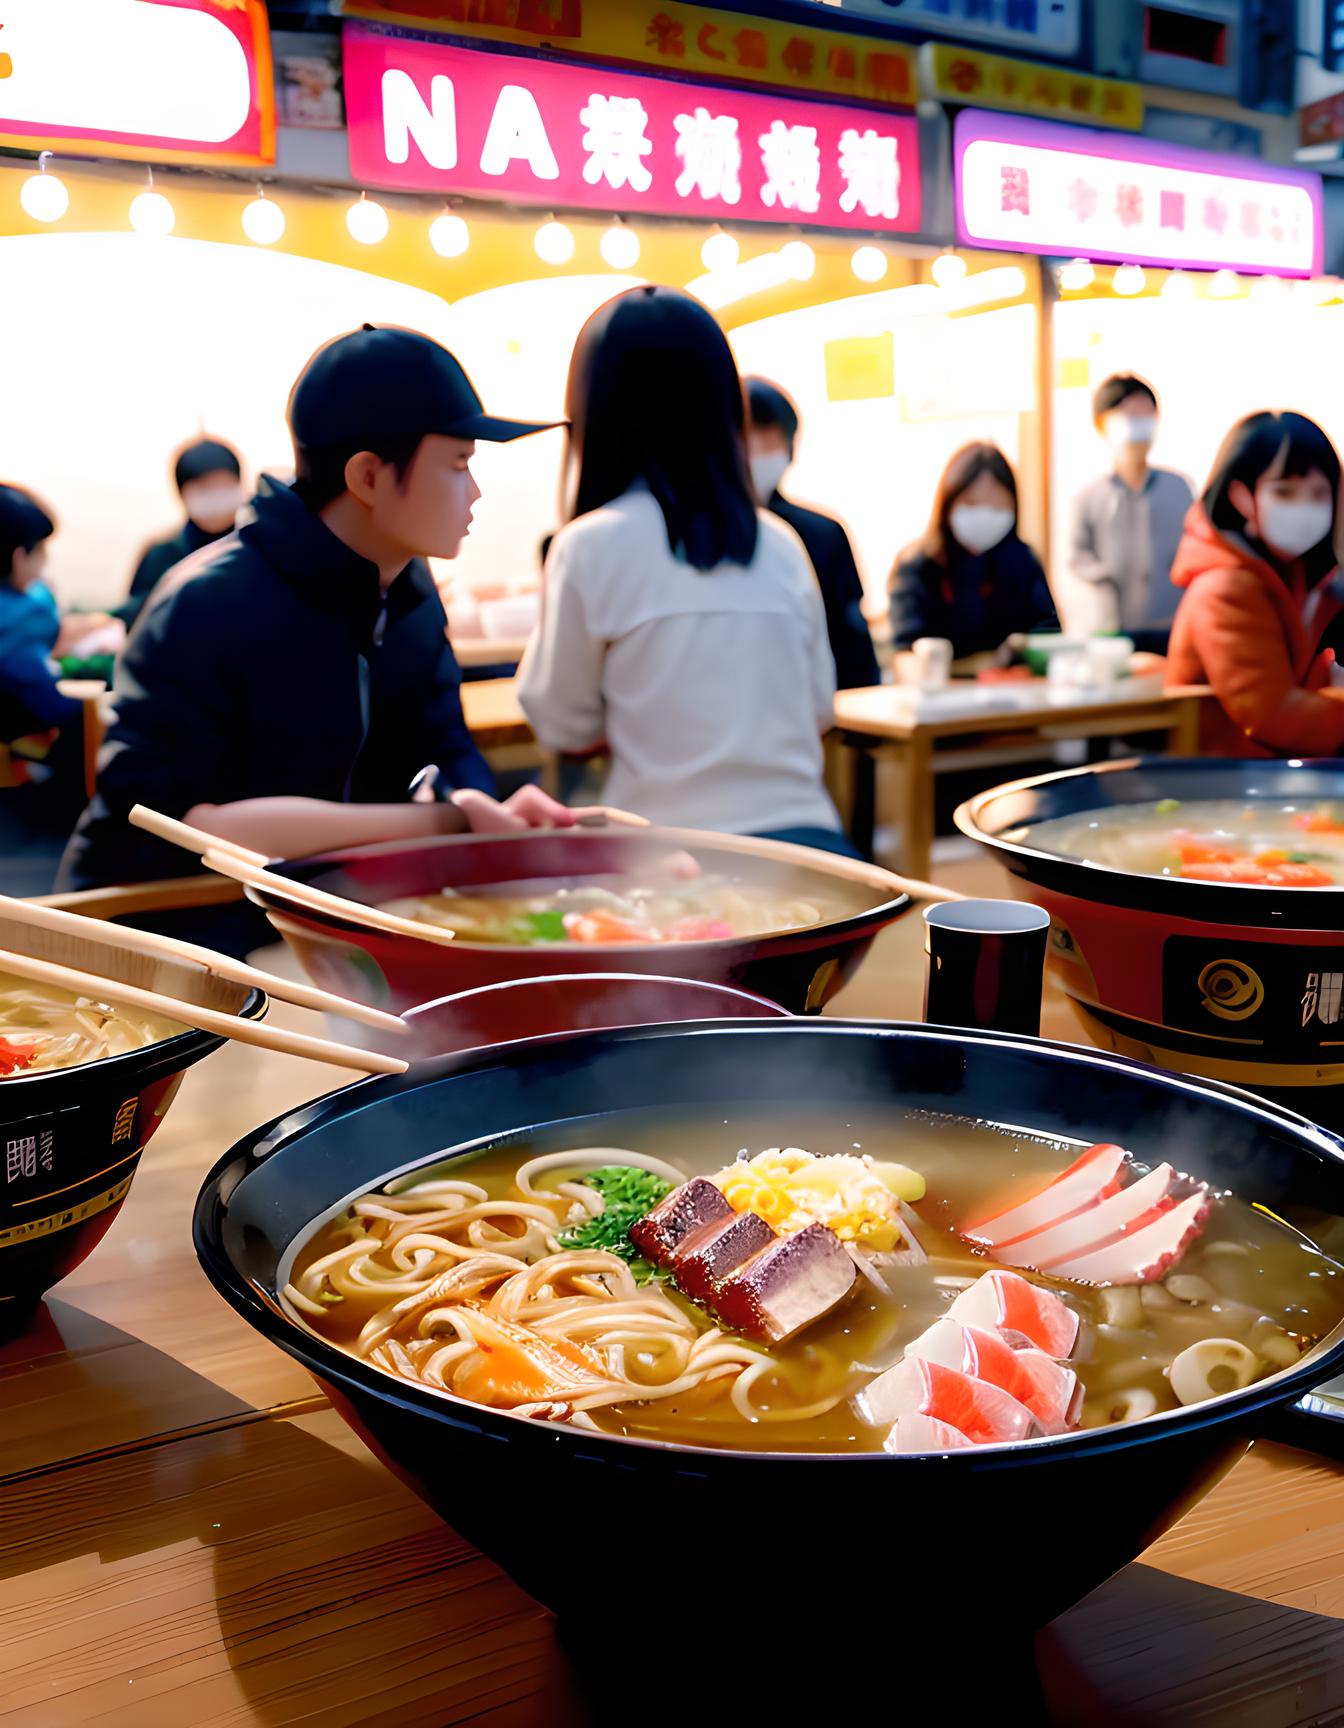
(710, 688)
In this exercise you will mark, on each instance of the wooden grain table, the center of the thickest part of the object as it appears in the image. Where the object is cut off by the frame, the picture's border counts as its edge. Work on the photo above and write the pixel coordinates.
(191, 1538)
(883, 722)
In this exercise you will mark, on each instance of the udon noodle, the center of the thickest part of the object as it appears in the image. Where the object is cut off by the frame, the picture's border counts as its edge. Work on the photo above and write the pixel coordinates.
(471, 1277)
(42, 1027)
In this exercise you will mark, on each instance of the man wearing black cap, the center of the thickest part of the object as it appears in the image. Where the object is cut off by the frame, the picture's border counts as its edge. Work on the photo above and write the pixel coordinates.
(285, 686)
(209, 481)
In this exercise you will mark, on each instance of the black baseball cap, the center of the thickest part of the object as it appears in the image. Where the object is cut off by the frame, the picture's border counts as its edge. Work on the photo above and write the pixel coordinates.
(381, 384)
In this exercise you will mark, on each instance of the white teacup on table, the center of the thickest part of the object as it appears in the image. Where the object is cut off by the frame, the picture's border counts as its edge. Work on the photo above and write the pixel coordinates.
(932, 662)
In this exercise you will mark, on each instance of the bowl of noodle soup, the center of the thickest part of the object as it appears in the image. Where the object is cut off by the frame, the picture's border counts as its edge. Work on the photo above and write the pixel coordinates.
(787, 922)
(431, 1248)
(84, 1085)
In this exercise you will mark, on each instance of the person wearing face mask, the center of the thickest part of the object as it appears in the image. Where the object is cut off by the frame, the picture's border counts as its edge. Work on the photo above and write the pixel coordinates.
(772, 433)
(971, 578)
(1262, 593)
(1127, 524)
(287, 686)
(209, 480)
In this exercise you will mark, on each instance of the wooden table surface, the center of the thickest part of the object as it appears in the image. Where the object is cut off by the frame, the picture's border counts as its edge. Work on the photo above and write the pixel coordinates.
(190, 1536)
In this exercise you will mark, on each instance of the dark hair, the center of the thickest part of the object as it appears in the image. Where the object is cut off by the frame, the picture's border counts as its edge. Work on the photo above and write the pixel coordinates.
(962, 471)
(769, 406)
(1118, 388)
(654, 395)
(24, 525)
(1277, 439)
(204, 456)
(319, 474)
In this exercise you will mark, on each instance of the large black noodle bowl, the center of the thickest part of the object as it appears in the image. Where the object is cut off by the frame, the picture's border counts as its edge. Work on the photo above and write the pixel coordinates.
(642, 1534)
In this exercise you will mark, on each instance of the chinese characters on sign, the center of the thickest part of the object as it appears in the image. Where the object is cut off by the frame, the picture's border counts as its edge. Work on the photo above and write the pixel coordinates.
(1020, 26)
(697, 40)
(171, 80)
(968, 75)
(1027, 187)
(432, 117)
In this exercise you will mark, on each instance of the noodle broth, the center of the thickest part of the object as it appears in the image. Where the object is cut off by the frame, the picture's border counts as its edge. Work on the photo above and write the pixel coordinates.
(43, 1028)
(1247, 1278)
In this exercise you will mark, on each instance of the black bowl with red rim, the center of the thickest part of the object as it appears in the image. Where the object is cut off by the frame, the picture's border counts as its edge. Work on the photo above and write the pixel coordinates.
(1229, 981)
(801, 969)
(71, 1138)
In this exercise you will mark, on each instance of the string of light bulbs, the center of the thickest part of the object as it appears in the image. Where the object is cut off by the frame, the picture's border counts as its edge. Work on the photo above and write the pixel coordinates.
(45, 198)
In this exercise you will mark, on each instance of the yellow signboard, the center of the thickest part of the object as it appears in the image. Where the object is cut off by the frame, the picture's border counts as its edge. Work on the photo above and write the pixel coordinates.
(955, 74)
(694, 40)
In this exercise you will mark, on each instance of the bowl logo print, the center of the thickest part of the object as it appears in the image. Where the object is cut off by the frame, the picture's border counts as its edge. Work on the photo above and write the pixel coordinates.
(1231, 989)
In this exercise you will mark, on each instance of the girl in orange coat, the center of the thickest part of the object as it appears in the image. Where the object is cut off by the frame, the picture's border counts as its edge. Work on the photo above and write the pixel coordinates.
(1262, 591)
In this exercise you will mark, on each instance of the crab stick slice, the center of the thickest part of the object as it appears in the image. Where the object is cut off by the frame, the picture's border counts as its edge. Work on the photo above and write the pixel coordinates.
(913, 1433)
(1090, 1178)
(916, 1387)
(1143, 1254)
(1126, 1210)
(1050, 1391)
(1003, 1302)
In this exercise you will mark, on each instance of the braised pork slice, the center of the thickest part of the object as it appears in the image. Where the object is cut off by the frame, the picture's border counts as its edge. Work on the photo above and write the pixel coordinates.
(679, 1215)
(712, 1253)
(790, 1284)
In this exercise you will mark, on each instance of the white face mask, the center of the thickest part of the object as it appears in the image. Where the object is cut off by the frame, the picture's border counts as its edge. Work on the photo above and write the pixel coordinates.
(978, 527)
(767, 470)
(1127, 429)
(213, 505)
(1294, 528)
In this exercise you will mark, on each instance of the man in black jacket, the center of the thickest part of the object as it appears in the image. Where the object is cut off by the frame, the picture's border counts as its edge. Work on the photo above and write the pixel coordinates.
(284, 687)
(209, 480)
(771, 435)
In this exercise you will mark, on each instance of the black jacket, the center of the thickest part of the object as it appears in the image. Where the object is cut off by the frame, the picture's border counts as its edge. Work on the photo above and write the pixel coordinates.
(974, 601)
(271, 666)
(157, 559)
(828, 547)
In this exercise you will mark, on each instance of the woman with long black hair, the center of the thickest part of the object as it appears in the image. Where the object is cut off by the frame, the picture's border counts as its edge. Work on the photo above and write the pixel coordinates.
(681, 626)
(1260, 619)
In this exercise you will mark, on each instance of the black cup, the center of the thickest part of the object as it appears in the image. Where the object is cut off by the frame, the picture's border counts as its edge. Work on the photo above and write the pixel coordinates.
(986, 963)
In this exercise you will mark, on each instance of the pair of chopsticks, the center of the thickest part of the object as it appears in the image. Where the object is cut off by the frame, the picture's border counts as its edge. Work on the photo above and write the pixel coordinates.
(126, 938)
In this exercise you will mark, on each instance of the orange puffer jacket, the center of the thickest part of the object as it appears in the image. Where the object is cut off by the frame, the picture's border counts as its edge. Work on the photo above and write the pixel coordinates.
(1255, 635)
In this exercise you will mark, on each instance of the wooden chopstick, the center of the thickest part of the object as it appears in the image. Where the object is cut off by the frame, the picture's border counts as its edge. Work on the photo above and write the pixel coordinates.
(170, 948)
(204, 1019)
(196, 840)
(310, 899)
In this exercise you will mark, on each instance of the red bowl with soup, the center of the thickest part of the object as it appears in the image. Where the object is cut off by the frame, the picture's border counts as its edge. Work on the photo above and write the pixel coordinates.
(1197, 910)
(785, 922)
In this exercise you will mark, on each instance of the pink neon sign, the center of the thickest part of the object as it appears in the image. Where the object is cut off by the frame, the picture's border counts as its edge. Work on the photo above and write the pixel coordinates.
(1029, 186)
(430, 117)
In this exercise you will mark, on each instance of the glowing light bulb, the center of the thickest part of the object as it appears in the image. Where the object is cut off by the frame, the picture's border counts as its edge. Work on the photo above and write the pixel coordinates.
(44, 197)
(263, 220)
(1225, 285)
(1180, 285)
(1129, 279)
(152, 214)
(869, 263)
(1268, 290)
(619, 246)
(798, 258)
(367, 221)
(449, 235)
(949, 268)
(554, 243)
(1076, 275)
(720, 251)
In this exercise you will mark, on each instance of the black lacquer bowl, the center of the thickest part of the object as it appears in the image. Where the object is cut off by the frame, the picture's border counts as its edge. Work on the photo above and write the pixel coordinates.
(660, 1534)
